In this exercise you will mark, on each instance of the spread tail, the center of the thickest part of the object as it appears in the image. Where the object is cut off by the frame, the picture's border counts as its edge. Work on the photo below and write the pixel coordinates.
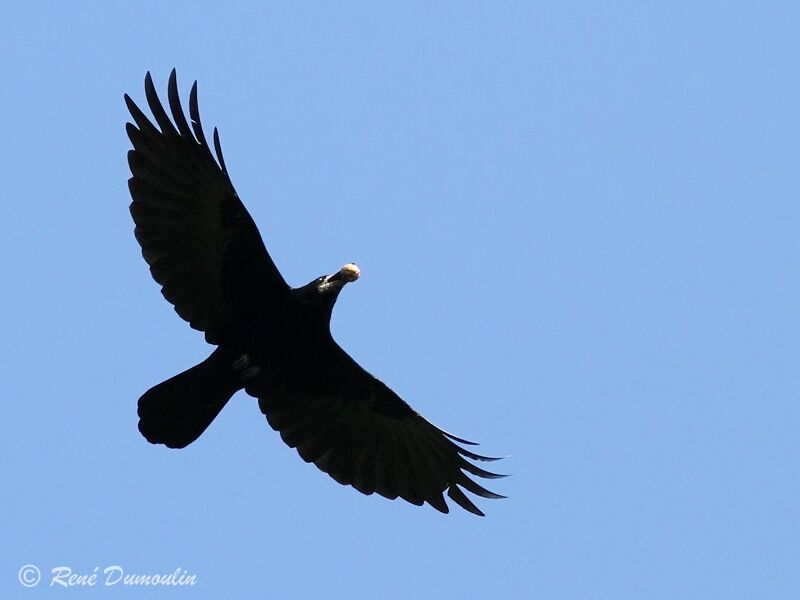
(176, 411)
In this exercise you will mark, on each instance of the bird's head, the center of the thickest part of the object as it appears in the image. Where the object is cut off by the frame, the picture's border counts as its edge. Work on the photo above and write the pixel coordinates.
(325, 289)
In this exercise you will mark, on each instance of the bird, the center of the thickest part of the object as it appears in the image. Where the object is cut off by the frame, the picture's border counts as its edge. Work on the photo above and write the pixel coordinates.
(271, 340)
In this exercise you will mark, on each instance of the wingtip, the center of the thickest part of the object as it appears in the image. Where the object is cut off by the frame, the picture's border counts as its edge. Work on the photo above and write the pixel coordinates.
(218, 150)
(194, 111)
(474, 456)
(455, 438)
(438, 503)
(129, 103)
(457, 496)
(477, 471)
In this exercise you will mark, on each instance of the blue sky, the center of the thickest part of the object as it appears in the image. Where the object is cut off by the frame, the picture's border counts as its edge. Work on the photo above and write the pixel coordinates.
(578, 232)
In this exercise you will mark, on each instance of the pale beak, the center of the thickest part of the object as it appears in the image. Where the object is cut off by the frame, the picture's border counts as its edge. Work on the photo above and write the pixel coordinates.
(350, 272)
(346, 274)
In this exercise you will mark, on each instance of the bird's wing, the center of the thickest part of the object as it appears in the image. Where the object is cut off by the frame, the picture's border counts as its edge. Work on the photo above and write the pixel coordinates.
(199, 240)
(356, 429)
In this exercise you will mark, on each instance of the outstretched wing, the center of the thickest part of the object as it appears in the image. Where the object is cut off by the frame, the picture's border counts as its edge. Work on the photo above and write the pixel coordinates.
(356, 429)
(199, 240)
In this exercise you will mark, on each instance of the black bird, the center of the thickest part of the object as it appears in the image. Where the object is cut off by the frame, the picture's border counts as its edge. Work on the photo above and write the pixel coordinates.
(271, 340)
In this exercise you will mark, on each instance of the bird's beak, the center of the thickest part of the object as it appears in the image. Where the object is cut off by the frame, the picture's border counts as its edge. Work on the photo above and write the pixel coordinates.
(346, 274)
(350, 272)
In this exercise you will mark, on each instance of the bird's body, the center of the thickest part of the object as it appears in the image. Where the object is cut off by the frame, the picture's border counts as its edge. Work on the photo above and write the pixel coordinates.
(271, 340)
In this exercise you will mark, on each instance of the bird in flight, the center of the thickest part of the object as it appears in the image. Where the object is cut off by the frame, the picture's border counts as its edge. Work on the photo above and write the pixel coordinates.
(272, 340)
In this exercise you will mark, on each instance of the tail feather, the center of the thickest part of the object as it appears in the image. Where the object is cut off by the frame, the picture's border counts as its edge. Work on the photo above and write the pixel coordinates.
(176, 411)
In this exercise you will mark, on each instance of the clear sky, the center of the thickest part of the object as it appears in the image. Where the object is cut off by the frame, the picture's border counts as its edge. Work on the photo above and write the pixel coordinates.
(577, 226)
